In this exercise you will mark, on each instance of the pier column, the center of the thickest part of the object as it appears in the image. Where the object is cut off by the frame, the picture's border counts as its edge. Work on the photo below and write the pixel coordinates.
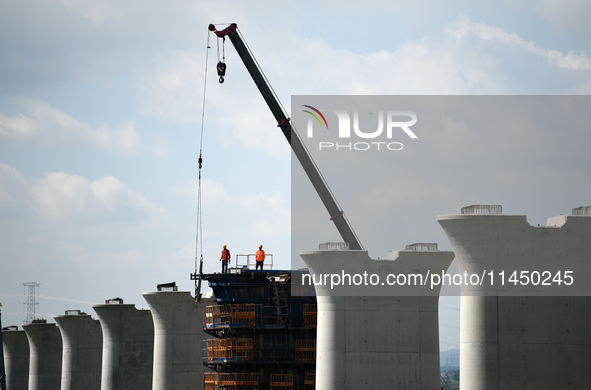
(82, 351)
(45, 357)
(376, 336)
(128, 346)
(525, 335)
(178, 337)
(16, 358)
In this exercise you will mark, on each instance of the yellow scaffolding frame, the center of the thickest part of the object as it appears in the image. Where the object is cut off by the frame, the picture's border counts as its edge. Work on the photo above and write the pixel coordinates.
(310, 314)
(305, 350)
(230, 381)
(224, 349)
(282, 381)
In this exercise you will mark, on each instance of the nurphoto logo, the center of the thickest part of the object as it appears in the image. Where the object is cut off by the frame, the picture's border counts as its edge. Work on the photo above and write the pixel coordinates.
(395, 123)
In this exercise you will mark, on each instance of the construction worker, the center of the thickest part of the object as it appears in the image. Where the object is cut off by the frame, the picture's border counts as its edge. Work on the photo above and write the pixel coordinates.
(225, 258)
(260, 258)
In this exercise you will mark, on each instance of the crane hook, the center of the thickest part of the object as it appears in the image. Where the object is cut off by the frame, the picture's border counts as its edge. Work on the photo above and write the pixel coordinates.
(221, 71)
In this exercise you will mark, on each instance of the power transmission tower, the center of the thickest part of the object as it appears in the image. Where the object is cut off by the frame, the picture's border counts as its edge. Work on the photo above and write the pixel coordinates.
(31, 303)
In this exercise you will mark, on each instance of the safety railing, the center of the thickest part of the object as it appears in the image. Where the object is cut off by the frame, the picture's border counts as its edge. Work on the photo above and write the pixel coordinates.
(232, 349)
(244, 314)
(310, 381)
(582, 210)
(334, 246)
(310, 315)
(230, 381)
(249, 261)
(282, 381)
(305, 350)
(422, 247)
(482, 209)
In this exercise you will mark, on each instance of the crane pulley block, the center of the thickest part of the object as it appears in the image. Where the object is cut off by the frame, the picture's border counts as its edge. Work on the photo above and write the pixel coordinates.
(221, 71)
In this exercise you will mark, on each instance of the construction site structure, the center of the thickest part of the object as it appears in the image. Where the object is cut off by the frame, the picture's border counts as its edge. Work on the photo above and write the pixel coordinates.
(385, 338)
(16, 358)
(45, 355)
(525, 335)
(128, 345)
(82, 340)
(178, 336)
(263, 337)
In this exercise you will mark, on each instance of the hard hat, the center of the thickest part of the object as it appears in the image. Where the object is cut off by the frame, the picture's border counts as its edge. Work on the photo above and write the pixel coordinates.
(224, 247)
(260, 246)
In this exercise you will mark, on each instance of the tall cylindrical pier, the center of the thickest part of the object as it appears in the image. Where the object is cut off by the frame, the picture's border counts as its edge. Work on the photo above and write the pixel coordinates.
(128, 346)
(178, 337)
(82, 351)
(524, 331)
(16, 358)
(371, 334)
(45, 357)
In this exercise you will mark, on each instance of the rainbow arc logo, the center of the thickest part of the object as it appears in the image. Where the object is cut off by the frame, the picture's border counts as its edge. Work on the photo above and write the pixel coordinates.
(316, 116)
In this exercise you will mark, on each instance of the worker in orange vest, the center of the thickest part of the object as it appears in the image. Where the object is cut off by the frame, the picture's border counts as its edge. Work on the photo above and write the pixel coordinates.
(260, 257)
(225, 258)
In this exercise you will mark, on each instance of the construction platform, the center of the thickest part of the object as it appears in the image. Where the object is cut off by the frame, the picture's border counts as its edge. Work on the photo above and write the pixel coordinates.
(263, 337)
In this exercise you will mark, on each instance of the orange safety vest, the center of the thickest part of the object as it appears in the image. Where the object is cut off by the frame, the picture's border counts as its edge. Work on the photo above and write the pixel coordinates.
(226, 254)
(260, 256)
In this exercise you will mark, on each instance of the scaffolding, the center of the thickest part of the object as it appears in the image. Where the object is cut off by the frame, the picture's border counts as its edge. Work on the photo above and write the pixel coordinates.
(259, 328)
(230, 381)
(282, 381)
(240, 315)
(310, 315)
(305, 350)
(231, 349)
(310, 381)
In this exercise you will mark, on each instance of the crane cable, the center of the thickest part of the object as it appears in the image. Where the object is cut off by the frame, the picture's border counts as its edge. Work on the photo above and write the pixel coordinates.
(199, 229)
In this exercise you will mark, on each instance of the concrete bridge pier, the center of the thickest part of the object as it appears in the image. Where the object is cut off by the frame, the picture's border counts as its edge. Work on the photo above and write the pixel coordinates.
(45, 358)
(372, 334)
(532, 333)
(82, 351)
(128, 346)
(16, 358)
(178, 337)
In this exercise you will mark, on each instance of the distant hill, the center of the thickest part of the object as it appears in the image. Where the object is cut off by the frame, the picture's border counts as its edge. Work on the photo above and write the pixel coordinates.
(450, 358)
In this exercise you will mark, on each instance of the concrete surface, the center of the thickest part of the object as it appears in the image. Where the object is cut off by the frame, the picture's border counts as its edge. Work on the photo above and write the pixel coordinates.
(82, 340)
(45, 357)
(178, 335)
(380, 341)
(16, 359)
(128, 347)
(529, 337)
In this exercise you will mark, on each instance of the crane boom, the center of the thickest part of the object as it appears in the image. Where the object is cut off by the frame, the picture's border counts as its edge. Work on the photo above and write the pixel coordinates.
(336, 215)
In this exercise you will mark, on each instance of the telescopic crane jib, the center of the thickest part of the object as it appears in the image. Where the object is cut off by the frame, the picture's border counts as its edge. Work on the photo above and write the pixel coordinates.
(336, 214)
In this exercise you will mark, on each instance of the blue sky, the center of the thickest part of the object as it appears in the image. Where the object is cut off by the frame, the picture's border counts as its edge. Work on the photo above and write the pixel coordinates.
(100, 122)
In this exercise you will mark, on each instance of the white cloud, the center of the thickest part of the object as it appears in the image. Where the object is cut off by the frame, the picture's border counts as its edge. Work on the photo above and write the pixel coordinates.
(571, 60)
(13, 191)
(270, 214)
(171, 87)
(60, 196)
(95, 11)
(19, 126)
(159, 145)
(39, 118)
(464, 58)
(124, 138)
